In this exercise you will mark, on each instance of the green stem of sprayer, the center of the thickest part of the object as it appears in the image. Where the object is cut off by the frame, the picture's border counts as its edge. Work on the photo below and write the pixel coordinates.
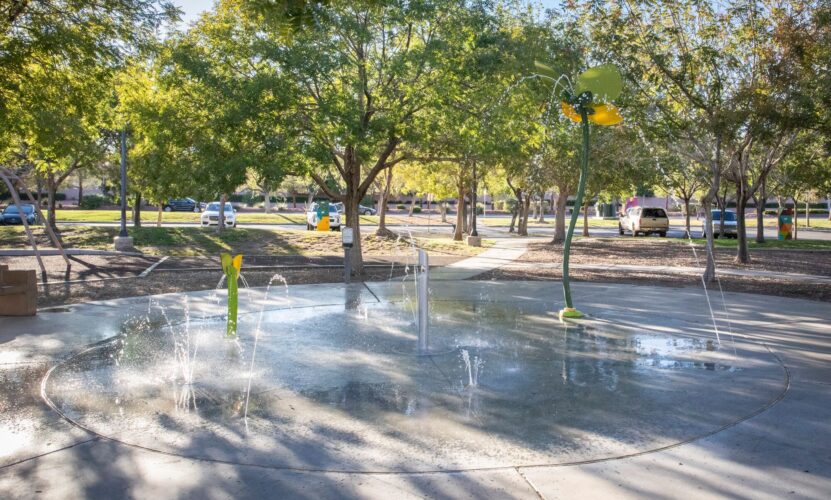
(231, 274)
(575, 213)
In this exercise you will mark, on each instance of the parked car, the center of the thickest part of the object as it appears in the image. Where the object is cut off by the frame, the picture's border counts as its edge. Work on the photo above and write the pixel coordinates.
(10, 215)
(210, 217)
(730, 224)
(362, 210)
(366, 210)
(312, 220)
(182, 205)
(644, 221)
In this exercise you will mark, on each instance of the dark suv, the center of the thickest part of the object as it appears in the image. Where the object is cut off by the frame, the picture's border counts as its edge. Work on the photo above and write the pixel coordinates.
(182, 205)
(11, 216)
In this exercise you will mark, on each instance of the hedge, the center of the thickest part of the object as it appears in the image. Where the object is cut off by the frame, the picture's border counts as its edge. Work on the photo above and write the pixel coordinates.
(91, 202)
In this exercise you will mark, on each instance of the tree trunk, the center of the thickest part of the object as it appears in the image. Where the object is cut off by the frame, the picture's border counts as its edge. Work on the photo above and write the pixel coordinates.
(382, 206)
(541, 214)
(586, 217)
(266, 201)
(828, 204)
(761, 201)
(51, 187)
(795, 217)
(443, 210)
(80, 186)
(39, 188)
(353, 221)
(465, 215)
(742, 252)
(710, 268)
(293, 199)
(560, 216)
(159, 212)
(807, 214)
(412, 205)
(687, 217)
(514, 214)
(523, 215)
(220, 226)
(460, 213)
(137, 211)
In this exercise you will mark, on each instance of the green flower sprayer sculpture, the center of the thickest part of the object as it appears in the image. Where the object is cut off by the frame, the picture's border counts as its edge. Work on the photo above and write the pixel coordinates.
(231, 267)
(588, 101)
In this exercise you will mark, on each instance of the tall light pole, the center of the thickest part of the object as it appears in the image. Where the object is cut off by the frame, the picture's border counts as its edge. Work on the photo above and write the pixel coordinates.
(123, 242)
(123, 134)
(473, 231)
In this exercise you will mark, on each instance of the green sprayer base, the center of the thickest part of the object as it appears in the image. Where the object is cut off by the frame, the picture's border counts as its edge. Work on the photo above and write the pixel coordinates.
(568, 312)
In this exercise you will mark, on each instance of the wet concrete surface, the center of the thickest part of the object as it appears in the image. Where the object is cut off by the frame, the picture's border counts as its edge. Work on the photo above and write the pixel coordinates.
(335, 387)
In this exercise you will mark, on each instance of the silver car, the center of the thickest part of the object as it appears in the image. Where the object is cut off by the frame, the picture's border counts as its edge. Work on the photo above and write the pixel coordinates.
(730, 224)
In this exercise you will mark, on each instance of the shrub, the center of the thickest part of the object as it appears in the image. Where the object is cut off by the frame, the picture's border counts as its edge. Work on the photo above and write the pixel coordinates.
(416, 210)
(400, 207)
(91, 202)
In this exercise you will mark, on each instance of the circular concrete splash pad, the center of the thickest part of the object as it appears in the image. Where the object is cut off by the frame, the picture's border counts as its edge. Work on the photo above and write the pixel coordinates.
(331, 390)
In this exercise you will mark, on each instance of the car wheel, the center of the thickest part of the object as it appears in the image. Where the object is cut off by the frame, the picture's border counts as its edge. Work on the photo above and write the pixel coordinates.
(620, 229)
(663, 234)
(196, 209)
(336, 228)
(168, 209)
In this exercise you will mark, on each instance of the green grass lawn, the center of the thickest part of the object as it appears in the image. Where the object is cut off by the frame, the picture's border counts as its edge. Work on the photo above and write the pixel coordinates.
(151, 217)
(198, 241)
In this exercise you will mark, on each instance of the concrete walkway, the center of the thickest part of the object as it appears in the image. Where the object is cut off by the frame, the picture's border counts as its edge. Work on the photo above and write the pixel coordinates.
(781, 449)
(503, 252)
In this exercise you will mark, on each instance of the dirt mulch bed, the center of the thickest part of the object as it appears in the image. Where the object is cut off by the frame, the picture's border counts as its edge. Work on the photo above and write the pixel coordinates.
(660, 252)
(187, 281)
(83, 267)
(253, 261)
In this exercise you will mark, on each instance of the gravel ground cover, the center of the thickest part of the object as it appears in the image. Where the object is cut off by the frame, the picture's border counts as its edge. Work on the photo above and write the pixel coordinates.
(196, 241)
(182, 281)
(661, 253)
(100, 277)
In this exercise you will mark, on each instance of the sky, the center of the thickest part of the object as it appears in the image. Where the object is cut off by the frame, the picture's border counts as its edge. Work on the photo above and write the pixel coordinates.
(192, 8)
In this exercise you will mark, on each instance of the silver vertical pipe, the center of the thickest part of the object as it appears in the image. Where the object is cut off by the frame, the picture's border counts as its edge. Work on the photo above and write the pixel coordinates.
(422, 283)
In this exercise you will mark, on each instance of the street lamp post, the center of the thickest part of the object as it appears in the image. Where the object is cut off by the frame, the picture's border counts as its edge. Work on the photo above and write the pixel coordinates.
(123, 242)
(123, 144)
(473, 231)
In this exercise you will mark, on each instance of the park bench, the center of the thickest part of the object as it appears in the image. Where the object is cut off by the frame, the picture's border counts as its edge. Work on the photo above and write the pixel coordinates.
(18, 292)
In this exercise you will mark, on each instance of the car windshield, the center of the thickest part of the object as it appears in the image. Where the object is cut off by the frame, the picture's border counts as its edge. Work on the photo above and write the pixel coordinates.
(12, 209)
(654, 212)
(214, 207)
(728, 216)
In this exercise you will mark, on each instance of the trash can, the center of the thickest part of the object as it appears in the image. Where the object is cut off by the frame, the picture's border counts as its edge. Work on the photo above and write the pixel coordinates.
(785, 224)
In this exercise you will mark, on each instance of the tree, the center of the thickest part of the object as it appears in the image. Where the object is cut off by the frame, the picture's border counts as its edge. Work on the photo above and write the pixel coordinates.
(362, 75)
(232, 100)
(677, 57)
